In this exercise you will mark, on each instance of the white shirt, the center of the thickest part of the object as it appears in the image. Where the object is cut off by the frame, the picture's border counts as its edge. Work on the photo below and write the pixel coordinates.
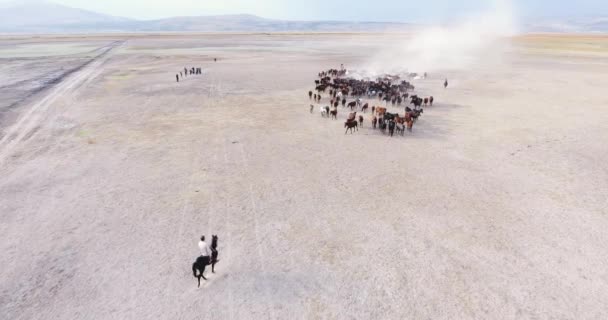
(205, 250)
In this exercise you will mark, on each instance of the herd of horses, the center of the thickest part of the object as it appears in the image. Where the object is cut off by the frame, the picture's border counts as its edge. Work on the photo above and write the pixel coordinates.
(387, 89)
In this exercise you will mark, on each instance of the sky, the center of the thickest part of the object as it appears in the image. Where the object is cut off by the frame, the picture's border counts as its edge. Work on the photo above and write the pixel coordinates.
(351, 10)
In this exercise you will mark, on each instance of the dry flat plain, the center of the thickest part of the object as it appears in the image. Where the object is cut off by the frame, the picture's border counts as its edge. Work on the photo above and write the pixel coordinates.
(495, 207)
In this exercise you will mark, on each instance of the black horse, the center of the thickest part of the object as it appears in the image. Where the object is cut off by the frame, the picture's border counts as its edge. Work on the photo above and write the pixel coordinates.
(202, 262)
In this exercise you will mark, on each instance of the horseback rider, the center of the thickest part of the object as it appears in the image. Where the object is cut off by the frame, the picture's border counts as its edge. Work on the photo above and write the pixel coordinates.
(205, 250)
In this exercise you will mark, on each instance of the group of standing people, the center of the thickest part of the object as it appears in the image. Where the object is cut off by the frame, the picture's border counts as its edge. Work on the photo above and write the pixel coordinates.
(191, 71)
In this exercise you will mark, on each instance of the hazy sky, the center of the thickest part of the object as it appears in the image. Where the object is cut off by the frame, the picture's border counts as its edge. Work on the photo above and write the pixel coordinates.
(363, 10)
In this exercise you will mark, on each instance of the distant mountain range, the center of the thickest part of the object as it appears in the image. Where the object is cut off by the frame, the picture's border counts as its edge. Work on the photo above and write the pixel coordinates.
(36, 16)
(39, 16)
(577, 24)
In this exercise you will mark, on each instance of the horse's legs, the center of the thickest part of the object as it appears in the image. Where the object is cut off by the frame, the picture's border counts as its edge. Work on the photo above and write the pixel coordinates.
(194, 270)
(203, 272)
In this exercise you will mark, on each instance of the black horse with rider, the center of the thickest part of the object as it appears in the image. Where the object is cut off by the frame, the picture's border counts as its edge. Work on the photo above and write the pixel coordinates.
(198, 267)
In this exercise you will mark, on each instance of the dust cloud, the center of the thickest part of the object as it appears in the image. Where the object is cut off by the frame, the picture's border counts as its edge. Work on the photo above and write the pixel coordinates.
(477, 38)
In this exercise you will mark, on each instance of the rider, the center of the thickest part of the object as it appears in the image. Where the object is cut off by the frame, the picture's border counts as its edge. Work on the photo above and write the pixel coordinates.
(205, 249)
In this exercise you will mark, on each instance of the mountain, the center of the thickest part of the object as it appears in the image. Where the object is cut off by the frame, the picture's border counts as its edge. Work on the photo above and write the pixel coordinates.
(250, 23)
(42, 16)
(38, 16)
(569, 24)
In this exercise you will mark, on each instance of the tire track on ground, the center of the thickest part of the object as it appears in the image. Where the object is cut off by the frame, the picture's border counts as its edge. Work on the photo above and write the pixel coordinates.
(29, 122)
(245, 164)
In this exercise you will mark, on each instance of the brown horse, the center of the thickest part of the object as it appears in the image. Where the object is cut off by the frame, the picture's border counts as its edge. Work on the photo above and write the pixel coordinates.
(361, 121)
(365, 107)
(352, 116)
(334, 114)
(380, 111)
(409, 120)
(352, 126)
(374, 122)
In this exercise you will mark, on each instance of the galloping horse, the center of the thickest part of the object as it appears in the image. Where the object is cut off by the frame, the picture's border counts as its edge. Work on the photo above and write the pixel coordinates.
(334, 114)
(198, 267)
(352, 105)
(351, 125)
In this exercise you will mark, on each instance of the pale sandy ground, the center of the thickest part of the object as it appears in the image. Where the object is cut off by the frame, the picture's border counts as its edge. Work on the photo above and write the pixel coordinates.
(494, 208)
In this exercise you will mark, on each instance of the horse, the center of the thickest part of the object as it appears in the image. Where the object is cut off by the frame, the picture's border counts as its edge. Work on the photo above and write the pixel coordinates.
(334, 114)
(431, 99)
(351, 125)
(409, 119)
(380, 111)
(365, 107)
(311, 108)
(323, 112)
(198, 267)
(391, 127)
(426, 101)
(361, 121)
(374, 122)
(352, 105)
(309, 95)
(352, 116)
(382, 124)
(343, 102)
(214, 252)
(400, 128)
